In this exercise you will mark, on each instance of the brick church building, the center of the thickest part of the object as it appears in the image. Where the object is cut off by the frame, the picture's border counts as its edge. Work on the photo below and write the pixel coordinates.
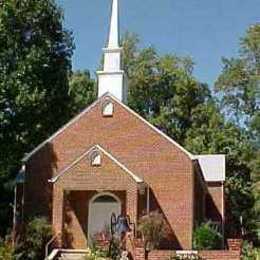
(108, 159)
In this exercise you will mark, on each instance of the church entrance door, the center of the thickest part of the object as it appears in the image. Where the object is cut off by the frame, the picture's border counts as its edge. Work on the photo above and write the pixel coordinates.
(101, 208)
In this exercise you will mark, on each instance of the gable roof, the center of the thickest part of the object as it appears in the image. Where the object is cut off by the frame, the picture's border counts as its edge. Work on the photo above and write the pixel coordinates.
(109, 155)
(213, 166)
(75, 119)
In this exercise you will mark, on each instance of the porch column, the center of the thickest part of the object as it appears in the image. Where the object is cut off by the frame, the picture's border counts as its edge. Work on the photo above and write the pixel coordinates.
(58, 212)
(132, 204)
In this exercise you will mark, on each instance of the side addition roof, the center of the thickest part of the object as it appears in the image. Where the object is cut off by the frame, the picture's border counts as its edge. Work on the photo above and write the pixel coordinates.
(213, 167)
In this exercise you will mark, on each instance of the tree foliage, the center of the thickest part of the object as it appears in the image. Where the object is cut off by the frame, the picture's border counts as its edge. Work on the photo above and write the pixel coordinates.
(153, 229)
(39, 93)
(239, 89)
(206, 237)
(82, 90)
(38, 233)
(162, 88)
(35, 60)
(164, 91)
(6, 250)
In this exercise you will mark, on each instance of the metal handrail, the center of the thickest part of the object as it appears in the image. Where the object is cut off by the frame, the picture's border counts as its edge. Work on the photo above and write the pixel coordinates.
(49, 243)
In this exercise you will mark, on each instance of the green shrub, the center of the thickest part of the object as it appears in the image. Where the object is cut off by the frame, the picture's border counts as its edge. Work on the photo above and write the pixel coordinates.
(6, 250)
(206, 237)
(96, 254)
(32, 245)
(249, 252)
(153, 229)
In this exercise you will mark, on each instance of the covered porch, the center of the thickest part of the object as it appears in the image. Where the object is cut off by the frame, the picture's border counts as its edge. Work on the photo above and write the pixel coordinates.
(86, 194)
(85, 214)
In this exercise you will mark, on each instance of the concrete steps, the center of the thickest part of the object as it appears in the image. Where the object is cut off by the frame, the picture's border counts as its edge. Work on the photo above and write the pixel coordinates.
(72, 256)
(68, 254)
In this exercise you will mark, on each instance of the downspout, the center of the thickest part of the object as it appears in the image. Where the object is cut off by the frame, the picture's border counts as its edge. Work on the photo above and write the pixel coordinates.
(23, 199)
(148, 200)
(223, 215)
(14, 215)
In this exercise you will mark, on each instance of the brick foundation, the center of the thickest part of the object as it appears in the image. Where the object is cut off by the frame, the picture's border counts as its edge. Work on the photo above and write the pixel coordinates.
(233, 253)
(220, 254)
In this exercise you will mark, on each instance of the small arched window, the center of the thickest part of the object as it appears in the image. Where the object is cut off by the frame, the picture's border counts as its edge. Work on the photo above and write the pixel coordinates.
(95, 158)
(107, 109)
(105, 199)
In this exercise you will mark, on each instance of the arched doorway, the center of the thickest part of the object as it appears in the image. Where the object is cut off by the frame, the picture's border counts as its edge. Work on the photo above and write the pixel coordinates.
(101, 207)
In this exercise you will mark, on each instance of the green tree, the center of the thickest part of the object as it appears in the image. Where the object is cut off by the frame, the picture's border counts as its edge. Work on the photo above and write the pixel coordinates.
(210, 133)
(82, 90)
(35, 61)
(164, 91)
(206, 237)
(239, 89)
(162, 88)
(239, 83)
(31, 246)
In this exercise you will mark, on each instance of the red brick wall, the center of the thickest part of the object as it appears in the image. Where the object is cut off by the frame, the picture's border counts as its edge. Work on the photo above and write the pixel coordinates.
(218, 254)
(165, 167)
(200, 190)
(80, 184)
(160, 254)
(37, 190)
(76, 217)
(215, 205)
(205, 255)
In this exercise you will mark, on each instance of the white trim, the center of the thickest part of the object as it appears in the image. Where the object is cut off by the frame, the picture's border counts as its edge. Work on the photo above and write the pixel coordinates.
(132, 175)
(107, 50)
(14, 211)
(104, 194)
(192, 157)
(186, 252)
(27, 157)
(148, 200)
(136, 178)
(101, 72)
(223, 215)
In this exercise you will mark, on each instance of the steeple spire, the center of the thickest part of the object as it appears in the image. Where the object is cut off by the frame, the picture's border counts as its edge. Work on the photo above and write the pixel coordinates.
(113, 40)
(112, 79)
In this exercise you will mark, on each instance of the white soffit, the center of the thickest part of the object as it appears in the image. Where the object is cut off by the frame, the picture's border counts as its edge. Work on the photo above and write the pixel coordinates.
(213, 167)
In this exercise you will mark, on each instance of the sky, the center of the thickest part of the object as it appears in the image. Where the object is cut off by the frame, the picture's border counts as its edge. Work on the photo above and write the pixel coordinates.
(206, 30)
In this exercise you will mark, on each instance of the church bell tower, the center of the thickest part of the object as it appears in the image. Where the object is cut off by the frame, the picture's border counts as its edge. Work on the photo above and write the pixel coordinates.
(112, 78)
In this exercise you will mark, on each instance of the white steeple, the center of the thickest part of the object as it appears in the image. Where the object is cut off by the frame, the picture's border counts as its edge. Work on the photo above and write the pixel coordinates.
(113, 40)
(112, 79)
